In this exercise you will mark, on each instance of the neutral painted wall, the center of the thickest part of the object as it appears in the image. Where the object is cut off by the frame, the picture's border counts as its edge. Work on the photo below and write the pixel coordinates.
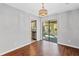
(68, 27)
(15, 28)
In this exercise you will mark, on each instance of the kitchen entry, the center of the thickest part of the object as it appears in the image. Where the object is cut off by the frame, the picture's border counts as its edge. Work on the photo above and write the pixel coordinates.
(49, 31)
(34, 30)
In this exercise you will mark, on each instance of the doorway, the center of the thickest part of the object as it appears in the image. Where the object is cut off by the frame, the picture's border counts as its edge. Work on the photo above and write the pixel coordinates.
(34, 30)
(49, 31)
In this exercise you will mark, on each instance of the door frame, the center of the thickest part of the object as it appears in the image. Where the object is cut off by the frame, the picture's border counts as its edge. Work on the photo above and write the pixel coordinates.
(36, 29)
(49, 28)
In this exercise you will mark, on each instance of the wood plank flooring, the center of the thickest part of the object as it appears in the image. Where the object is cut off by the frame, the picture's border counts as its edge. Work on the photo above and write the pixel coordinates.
(44, 48)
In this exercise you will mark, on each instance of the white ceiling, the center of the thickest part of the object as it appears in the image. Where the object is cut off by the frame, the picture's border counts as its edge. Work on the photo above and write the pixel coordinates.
(52, 8)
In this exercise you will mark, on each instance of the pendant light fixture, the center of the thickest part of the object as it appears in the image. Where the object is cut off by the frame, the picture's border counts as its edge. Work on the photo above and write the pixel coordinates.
(43, 11)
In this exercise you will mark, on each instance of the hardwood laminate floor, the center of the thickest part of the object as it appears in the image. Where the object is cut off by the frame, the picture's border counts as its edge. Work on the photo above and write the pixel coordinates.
(44, 48)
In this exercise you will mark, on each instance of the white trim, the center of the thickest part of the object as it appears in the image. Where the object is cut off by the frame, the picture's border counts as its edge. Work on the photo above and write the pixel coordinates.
(16, 48)
(69, 45)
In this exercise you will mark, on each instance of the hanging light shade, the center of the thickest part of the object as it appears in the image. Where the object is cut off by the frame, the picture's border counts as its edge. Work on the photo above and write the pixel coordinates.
(43, 11)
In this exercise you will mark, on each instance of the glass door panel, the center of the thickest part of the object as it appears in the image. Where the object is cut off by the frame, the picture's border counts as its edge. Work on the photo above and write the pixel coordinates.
(53, 31)
(45, 30)
(50, 31)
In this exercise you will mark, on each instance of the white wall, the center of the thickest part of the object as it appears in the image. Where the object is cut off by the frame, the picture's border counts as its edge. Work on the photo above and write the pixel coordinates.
(68, 27)
(15, 28)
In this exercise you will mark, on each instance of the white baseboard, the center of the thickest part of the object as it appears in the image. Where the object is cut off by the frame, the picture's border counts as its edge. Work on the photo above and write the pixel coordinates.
(15, 48)
(68, 45)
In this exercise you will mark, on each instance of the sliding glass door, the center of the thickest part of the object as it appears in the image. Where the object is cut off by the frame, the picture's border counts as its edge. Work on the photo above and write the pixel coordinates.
(50, 31)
